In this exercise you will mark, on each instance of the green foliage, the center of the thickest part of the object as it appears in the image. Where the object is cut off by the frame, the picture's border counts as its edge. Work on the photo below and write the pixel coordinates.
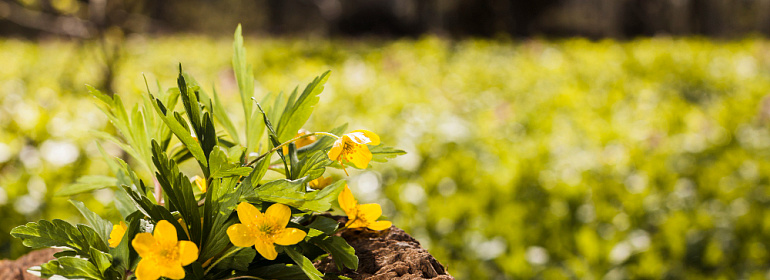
(231, 176)
(537, 159)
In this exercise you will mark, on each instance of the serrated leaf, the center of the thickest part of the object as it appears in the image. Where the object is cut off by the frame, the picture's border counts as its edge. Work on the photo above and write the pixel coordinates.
(101, 226)
(239, 260)
(313, 165)
(298, 111)
(304, 263)
(245, 78)
(56, 233)
(179, 191)
(221, 200)
(182, 133)
(70, 267)
(221, 167)
(292, 193)
(87, 183)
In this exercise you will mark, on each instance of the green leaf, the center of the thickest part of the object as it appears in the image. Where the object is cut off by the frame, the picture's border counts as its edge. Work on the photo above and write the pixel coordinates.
(92, 238)
(56, 233)
(221, 199)
(220, 114)
(304, 263)
(181, 132)
(289, 192)
(342, 253)
(298, 111)
(238, 261)
(245, 78)
(324, 224)
(313, 165)
(87, 183)
(190, 102)
(101, 226)
(102, 260)
(70, 267)
(381, 153)
(221, 167)
(278, 271)
(293, 193)
(179, 191)
(122, 254)
(321, 201)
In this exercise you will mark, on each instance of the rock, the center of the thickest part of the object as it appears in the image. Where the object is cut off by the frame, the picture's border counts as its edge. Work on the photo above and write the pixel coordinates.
(388, 254)
(17, 270)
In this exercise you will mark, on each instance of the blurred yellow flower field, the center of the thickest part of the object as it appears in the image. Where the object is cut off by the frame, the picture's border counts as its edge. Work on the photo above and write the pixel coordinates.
(550, 159)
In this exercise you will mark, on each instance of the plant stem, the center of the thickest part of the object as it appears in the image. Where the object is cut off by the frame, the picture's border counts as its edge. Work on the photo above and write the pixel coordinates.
(289, 142)
(222, 258)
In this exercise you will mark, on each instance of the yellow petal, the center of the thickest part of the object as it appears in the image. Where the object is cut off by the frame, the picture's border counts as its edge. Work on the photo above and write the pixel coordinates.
(347, 201)
(188, 252)
(374, 139)
(165, 234)
(379, 225)
(279, 214)
(290, 236)
(369, 212)
(147, 270)
(116, 235)
(247, 213)
(201, 183)
(173, 272)
(240, 235)
(361, 157)
(356, 223)
(266, 249)
(336, 151)
(144, 244)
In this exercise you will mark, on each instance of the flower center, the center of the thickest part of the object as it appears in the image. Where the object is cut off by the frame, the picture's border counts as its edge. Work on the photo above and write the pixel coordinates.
(359, 216)
(168, 254)
(267, 229)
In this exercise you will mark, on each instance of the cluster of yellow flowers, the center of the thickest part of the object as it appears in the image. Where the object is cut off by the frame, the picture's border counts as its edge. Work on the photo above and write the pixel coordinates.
(163, 255)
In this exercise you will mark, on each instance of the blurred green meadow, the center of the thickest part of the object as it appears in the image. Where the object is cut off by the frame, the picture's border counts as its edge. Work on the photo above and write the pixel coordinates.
(536, 159)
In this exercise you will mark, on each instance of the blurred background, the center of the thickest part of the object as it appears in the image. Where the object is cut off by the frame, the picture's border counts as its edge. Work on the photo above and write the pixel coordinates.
(593, 139)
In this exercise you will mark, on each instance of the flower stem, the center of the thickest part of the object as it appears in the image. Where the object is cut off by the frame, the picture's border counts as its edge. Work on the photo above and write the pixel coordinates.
(222, 258)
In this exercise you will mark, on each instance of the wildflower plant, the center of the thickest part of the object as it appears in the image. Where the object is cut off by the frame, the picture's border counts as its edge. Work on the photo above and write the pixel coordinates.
(229, 221)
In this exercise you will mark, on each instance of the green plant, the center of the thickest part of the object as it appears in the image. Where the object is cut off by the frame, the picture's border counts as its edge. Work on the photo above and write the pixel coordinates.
(218, 229)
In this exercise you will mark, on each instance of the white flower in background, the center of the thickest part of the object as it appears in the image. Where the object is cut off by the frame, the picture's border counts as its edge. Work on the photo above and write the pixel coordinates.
(59, 153)
(5, 152)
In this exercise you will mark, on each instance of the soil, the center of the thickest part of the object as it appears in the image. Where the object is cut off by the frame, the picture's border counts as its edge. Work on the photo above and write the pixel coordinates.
(17, 270)
(388, 254)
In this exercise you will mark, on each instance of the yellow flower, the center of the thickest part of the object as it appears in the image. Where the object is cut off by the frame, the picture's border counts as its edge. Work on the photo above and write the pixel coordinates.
(352, 148)
(116, 235)
(301, 142)
(200, 182)
(264, 230)
(320, 183)
(361, 215)
(162, 254)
